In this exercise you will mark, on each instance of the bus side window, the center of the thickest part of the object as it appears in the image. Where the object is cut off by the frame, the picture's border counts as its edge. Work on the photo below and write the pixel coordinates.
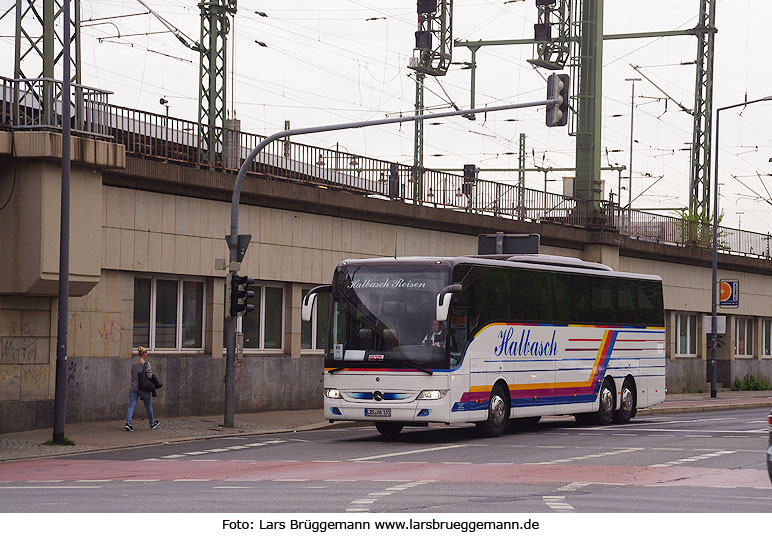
(628, 314)
(650, 307)
(603, 311)
(562, 294)
(570, 297)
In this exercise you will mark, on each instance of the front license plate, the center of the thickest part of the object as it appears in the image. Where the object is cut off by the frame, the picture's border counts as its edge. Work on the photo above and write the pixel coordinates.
(378, 412)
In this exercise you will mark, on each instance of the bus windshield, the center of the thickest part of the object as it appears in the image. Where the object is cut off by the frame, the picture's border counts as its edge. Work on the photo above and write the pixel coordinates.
(383, 316)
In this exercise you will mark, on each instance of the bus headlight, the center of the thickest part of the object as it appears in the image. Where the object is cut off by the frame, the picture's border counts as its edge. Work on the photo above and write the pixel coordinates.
(432, 394)
(332, 393)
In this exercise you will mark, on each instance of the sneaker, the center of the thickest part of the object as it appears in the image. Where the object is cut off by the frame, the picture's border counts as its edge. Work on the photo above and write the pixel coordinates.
(128, 427)
(154, 425)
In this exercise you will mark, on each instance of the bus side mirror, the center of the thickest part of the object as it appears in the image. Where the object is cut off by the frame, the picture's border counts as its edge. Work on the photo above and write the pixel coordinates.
(307, 306)
(443, 301)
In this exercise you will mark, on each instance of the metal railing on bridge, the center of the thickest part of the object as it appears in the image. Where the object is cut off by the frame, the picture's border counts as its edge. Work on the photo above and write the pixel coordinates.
(35, 104)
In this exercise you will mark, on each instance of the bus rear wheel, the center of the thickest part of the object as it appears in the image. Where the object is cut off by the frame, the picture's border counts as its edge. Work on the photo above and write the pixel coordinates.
(607, 403)
(626, 404)
(387, 428)
(498, 414)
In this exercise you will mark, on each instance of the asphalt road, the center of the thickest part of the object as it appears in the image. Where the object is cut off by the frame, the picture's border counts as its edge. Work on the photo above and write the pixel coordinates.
(704, 462)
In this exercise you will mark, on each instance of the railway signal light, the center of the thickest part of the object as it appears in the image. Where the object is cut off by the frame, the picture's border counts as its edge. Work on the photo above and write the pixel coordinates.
(240, 296)
(558, 87)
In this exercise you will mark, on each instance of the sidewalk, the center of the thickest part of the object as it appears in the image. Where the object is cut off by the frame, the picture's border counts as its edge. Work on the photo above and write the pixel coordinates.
(103, 435)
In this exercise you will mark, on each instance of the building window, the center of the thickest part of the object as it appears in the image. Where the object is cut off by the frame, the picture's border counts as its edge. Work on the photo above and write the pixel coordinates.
(743, 337)
(313, 334)
(686, 330)
(168, 313)
(766, 338)
(263, 328)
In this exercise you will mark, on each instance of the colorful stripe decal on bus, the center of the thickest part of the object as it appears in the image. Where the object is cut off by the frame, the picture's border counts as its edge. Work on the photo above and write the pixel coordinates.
(552, 393)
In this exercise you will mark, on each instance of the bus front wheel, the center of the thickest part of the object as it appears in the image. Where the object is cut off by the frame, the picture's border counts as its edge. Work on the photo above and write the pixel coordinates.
(607, 404)
(498, 414)
(387, 428)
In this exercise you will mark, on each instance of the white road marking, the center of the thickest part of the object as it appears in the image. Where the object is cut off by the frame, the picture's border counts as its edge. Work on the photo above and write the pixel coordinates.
(585, 457)
(93, 480)
(340, 480)
(692, 459)
(415, 451)
(755, 431)
(572, 487)
(221, 449)
(50, 487)
(191, 480)
(290, 480)
(363, 504)
(48, 481)
(557, 503)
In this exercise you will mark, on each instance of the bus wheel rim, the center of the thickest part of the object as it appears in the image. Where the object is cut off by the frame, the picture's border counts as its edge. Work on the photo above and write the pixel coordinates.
(607, 400)
(627, 400)
(497, 409)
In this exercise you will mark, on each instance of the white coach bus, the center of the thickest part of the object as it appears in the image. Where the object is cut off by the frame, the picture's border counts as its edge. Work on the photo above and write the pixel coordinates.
(491, 340)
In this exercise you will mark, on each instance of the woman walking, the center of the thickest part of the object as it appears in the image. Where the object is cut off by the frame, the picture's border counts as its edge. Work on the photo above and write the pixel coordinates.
(141, 369)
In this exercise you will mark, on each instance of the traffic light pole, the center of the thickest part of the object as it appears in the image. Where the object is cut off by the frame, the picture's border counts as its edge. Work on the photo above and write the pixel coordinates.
(234, 265)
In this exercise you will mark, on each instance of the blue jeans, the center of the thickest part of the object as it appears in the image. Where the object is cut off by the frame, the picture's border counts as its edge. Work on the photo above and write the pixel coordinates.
(146, 398)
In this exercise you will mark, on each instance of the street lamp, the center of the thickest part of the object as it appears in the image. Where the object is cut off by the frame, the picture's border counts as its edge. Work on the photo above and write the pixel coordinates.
(713, 366)
(630, 178)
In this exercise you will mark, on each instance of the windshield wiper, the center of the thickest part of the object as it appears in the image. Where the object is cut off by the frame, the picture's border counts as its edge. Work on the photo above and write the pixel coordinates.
(336, 369)
(415, 365)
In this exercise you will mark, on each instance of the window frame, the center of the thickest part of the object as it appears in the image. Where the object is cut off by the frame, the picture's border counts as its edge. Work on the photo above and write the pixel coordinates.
(259, 314)
(178, 348)
(689, 316)
(749, 330)
(766, 338)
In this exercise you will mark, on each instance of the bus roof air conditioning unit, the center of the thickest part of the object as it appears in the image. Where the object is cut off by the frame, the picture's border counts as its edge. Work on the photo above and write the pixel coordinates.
(507, 244)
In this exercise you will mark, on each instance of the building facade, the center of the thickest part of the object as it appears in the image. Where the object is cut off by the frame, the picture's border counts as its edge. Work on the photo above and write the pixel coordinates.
(147, 269)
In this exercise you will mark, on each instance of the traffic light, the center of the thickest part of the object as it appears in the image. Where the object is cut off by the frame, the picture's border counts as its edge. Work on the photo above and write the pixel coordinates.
(558, 87)
(240, 295)
(470, 177)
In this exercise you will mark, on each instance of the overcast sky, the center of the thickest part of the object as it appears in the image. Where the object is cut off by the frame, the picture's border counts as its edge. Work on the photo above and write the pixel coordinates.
(325, 62)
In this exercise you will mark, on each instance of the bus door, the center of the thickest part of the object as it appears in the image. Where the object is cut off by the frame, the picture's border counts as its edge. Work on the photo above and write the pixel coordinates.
(458, 341)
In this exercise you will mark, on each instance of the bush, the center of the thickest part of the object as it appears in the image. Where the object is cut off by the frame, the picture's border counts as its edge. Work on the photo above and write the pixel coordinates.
(751, 383)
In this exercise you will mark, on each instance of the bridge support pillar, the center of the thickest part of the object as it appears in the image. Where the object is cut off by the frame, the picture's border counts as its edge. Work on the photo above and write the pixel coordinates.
(602, 254)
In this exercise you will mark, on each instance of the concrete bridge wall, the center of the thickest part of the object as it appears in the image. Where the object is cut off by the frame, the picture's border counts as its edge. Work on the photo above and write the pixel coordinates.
(163, 226)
